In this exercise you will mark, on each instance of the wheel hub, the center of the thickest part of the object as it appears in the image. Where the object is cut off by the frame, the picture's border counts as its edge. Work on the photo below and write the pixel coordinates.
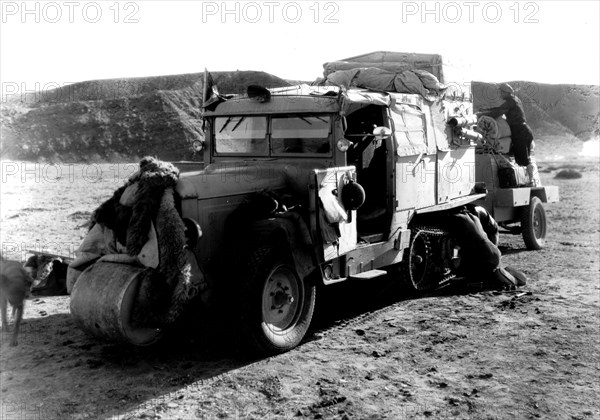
(281, 298)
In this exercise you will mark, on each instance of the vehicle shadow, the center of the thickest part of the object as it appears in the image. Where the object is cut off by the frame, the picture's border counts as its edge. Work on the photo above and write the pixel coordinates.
(57, 371)
(344, 301)
(347, 301)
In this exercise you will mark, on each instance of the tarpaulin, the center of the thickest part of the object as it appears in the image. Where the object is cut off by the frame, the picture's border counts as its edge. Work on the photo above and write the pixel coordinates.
(409, 123)
(391, 61)
(407, 81)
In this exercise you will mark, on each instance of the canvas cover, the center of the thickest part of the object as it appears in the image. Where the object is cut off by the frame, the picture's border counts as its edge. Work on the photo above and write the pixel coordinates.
(392, 61)
(408, 81)
(452, 72)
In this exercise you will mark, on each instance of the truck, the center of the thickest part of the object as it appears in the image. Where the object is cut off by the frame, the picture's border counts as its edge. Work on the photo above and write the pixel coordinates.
(308, 186)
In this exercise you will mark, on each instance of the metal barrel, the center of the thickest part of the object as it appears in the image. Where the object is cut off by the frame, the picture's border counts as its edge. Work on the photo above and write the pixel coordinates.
(108, 299)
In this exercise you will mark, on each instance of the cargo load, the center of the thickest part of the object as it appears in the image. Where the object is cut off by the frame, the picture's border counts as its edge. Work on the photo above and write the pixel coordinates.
(390, 61)
(417, 73)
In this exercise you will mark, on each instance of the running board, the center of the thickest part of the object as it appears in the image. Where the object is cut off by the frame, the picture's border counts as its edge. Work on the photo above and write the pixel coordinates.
(451, 204)
(367, 275)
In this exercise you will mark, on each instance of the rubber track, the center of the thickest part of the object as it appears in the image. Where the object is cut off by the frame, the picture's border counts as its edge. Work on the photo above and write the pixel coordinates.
(364, 318)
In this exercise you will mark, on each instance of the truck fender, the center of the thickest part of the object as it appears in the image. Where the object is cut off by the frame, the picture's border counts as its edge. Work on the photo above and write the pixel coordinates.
(193, 232)
(290, 234)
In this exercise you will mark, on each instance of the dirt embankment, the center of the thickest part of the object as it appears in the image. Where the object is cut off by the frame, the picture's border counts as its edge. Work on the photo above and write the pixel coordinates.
(115, 120)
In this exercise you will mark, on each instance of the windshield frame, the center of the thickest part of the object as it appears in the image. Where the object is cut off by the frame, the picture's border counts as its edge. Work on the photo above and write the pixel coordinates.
(268, 136)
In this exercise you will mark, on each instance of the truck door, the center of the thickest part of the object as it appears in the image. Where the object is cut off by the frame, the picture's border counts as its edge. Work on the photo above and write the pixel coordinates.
(415, 159)
(335, 225)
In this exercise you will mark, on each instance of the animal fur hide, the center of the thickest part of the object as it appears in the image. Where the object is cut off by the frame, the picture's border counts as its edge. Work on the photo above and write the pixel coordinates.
(121, 225)
(131, 223)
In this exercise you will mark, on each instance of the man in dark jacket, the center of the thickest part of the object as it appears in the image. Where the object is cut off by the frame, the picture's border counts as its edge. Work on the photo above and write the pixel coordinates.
(521, 134)
(477, 234)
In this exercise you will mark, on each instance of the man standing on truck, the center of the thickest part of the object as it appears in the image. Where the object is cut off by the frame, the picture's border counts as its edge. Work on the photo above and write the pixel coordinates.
(521, 134)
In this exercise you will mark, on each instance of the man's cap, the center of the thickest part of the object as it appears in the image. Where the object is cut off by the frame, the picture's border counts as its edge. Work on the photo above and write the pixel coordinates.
(505, 87)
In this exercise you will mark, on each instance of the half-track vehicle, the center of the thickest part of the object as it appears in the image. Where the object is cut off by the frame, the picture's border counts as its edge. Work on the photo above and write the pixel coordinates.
(308, 186)
(310, 149)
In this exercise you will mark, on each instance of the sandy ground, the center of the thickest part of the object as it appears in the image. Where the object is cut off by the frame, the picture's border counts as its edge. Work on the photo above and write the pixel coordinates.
(373, 351)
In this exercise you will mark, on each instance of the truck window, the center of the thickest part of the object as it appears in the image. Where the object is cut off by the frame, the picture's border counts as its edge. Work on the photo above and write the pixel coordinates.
(409, 130)
(300, 135)
(241, 135)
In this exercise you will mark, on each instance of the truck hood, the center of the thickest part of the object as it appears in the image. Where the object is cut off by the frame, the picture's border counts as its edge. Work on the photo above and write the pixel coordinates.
(227, 179)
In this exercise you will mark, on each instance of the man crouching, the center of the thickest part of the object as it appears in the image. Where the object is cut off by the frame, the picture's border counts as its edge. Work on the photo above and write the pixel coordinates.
(477, 234)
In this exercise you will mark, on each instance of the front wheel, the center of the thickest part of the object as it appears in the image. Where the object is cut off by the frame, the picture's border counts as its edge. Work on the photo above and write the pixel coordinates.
(276, 305)
(533, 224)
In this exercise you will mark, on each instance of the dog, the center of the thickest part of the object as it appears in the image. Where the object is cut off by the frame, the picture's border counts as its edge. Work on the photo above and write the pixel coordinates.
(15, 286)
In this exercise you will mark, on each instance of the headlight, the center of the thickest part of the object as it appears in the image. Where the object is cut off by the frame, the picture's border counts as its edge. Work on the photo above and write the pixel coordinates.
(198, 146)
(343, 145)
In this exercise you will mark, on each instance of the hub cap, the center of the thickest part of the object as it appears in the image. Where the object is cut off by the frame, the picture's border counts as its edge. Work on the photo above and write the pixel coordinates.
(281, 299)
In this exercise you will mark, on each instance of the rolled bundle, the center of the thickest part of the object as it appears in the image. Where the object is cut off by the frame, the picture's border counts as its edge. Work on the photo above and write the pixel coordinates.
(503, 128)
(493, 129)
(377, 79)
(342, 77)
(503, 144)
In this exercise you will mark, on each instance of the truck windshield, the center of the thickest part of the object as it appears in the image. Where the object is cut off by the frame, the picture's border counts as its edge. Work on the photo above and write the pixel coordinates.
(241, 135)
(300, 134)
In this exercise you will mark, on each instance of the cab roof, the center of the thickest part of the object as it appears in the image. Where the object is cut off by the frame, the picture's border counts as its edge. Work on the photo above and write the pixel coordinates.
(310, 99)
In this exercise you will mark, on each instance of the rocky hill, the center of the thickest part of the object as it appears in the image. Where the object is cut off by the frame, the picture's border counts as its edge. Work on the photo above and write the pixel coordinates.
(117, 119)
(572, 110)
(124, 119)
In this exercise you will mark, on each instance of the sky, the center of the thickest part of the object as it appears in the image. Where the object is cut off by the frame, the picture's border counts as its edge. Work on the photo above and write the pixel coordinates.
(49, 44)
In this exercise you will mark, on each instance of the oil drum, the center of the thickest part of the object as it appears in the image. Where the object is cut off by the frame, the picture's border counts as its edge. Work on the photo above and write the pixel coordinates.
(119, 302)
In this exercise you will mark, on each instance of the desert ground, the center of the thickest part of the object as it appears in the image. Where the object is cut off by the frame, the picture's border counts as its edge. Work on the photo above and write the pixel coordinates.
(374, 351)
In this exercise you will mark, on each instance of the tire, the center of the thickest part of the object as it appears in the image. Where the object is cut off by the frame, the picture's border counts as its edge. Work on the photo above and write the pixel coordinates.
(276, 306)
(533, 224)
